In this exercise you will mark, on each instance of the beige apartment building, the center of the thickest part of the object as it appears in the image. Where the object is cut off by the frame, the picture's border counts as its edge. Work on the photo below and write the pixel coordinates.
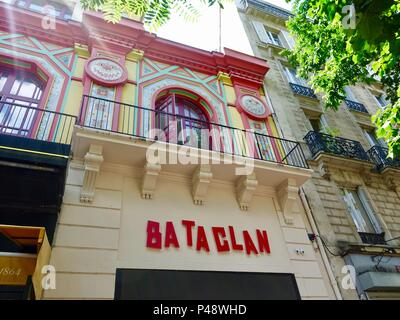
(354, 193)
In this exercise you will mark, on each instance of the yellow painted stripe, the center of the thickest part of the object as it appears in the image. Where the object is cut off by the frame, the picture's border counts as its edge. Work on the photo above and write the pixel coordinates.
(35, 152)
(275, 133)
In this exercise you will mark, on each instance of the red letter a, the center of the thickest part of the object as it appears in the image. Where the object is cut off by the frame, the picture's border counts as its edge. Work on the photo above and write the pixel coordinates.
(202, 239)
(248, 243)
(170, 235)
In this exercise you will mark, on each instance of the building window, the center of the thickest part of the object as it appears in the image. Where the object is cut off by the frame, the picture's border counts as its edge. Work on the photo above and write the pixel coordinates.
(20, 94)
(276, 37)
(273, 37)
(293, 78)
(318, 124)
(373, 140)
(55, 9)
(100, 107)
(181, 119)
(382, 102)
(363, 215)
(349, 94)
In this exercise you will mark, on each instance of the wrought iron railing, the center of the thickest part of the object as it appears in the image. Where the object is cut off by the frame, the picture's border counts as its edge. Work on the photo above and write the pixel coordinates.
(155, 125)
(355, 106)
(379, 154)
(320, 142)
(34, 123)
(372, 238)
(302, 90)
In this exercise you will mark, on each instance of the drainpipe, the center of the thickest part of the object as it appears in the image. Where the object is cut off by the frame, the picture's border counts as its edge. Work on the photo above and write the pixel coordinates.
(320, 245)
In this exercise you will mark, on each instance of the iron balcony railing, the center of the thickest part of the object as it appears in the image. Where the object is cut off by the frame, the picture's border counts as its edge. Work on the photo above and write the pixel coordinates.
(355, 106)
(320, 142)
(302, 90)
(155, 125)
(379, 154)
(34, 123)
(373, 238)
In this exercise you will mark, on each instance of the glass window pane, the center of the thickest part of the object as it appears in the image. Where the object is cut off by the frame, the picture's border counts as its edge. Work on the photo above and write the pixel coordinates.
(21, 3)
(357, 211)
(27, 89)
(15, 87)
(3, 79)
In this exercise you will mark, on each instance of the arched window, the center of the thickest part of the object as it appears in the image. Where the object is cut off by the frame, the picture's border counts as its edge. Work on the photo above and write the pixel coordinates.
(182, 120)
(20, 94)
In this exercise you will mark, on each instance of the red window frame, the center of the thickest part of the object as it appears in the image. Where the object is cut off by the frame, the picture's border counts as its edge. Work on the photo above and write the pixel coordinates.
(185, 112)
(18, 115)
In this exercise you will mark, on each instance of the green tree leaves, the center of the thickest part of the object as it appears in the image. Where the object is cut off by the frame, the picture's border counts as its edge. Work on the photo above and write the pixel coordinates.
(154, 13)
(332, 56)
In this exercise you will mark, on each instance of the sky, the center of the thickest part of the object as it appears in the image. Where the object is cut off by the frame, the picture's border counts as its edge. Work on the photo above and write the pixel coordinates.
(203, 33)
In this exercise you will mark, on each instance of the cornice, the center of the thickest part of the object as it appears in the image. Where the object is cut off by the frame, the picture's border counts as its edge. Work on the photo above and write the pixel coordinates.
(130, 35)
(17, 20)
(270, 9)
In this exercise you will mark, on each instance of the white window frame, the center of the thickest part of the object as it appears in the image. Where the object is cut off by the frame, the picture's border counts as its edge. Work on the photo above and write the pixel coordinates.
(349, 94)
(379, 103)
(292, 77)
(265, 35)
(357, 216)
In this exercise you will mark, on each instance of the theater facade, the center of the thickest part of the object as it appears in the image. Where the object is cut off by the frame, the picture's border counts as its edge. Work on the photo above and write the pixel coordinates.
(160, 169)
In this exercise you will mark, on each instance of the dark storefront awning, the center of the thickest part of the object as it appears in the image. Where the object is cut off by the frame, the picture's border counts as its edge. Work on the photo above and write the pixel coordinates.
(145, 284)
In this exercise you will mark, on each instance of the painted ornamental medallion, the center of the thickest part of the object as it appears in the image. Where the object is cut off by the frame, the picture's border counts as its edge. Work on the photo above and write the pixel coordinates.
(253, 106)
(105, 71)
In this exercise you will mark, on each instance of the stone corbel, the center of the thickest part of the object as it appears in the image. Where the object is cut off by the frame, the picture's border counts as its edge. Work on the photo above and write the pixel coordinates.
(392, 182)
(367, 177)
(287, 193)
(200, 182)
(135, 55)
(245, 187)
(324, 171)
(92, 163)
(149, 181)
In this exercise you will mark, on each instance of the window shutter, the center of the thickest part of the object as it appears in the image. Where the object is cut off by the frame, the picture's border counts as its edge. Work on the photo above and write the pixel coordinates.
(323, 122)
(261, 32)
(369, 209)
(290, 76)
(371, 139)
(288, 38)
(355, 214)
(349, 94)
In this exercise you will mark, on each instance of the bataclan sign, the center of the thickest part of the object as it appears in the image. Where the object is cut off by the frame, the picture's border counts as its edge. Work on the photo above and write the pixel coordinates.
(225, 239)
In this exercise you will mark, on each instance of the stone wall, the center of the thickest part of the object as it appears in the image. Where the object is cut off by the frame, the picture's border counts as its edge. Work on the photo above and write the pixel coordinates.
(332, 218)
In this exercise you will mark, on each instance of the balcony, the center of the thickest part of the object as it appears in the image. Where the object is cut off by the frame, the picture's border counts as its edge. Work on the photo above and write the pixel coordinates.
(41, 135)
(303, 91)
(356, 106)
(373, 238)
(35, 147)
(152, 125)
(145, 139)
(379, 154)
(323, 143)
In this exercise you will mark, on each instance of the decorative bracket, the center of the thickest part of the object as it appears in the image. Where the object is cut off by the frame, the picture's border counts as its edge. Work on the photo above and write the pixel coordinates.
(392, 181)
(93, 161)
(245, 188)
(367, 177)
(287, 193)
(151, 172)
(324, 171)
(200, 182)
